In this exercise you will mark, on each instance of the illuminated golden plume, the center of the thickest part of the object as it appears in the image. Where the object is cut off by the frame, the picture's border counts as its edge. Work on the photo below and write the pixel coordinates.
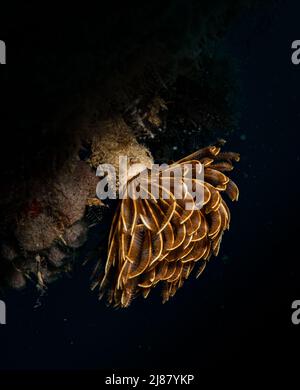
(160, 241)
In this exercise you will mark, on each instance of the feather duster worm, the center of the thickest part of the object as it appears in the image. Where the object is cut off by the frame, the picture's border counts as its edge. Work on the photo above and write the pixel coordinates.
(159, 241)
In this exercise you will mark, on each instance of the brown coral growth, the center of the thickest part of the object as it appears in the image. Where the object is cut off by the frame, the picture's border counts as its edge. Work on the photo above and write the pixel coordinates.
(159, 241)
